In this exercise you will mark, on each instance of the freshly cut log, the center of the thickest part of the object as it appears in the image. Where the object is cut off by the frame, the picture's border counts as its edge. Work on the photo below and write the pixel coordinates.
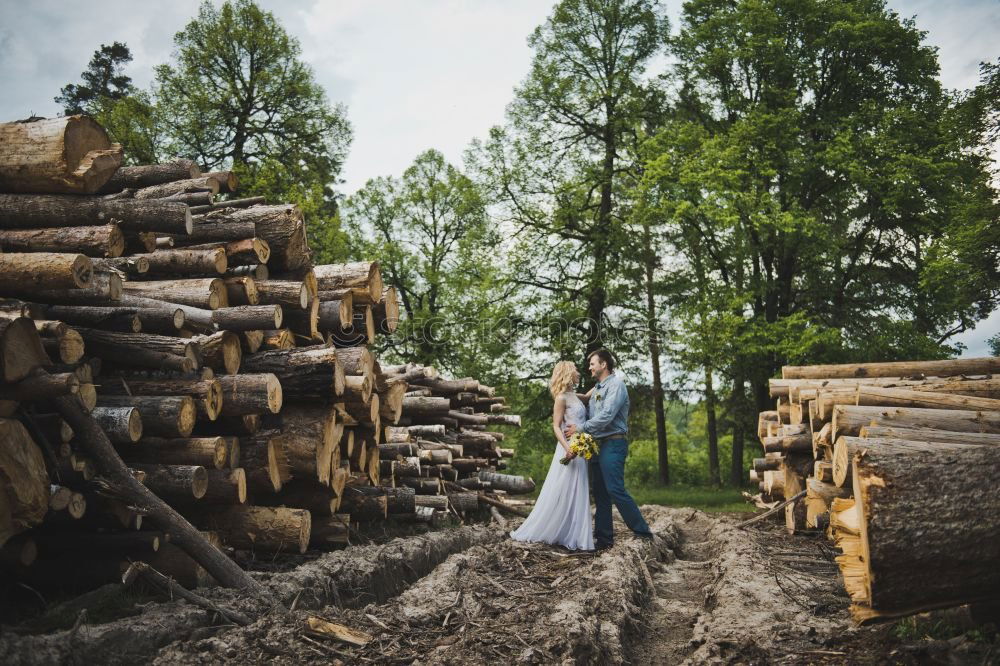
(516, 485)
(362, 274)
(307, 494)
(252, 341)
(961, 366)
(303, 323)
(305, 373)
(908, 529)
(241, 291)
(310, 434)
(281, 226)
(206, 293)
(292, 295)
(898, 397)
(849, 420)
(386, 312)
(208, 452)
(221, 351)
(929, 435)
(27, 273)
(225, 486)
(334, 315)
(206, 392)
(32, 211)
(426, 406)
(182, 534)
(845, 448)
(227, 180)
(231, 203)
(197, 319)
(67, 345)
(164, 190)
(331, 531)
(248, 317)
(136, 177)
(819, 497)
(398, 500)
(356, 360)
(162, 416)
(263, 459)
(122, 319)
(186, 262)
(210, 232)
(463, 502)
(67, 154)
(41, 387)
(364, 507)
(100, 241)
(788, 443)
(175, 481)
(436, 502)
(123, 425)
(448, 387)
(250, 394)
(242, 252)
(21, 349)
(24, 481)
(142, 349)
(271, 529)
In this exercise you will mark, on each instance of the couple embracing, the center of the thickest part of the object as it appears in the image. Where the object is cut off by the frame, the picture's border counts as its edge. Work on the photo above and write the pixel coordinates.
(562, 512)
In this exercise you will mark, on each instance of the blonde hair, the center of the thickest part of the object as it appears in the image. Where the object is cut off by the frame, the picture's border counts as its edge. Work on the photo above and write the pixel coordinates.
(562, 378)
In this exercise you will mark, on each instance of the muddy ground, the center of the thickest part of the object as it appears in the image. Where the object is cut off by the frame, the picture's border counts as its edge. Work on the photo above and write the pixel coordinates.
(704, 592)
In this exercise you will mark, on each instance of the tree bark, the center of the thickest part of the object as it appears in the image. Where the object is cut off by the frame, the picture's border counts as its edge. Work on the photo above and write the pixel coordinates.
(121, 319)
(362, 275)
(260, 528)
(292, 295)
(163, 416)
(305, 373)
(164, 190)
(99, 241)
(28, 273)
(961, 366)
(140, 347)
(242, 291)
(68, 154)
(848, 420)
(515, 485)
(208, 452)
(214, 232)
(123, 425)
(929, 435)
(207, 393)
(250, 394)
(248, 317)
(174, 481)
(221, 351)
(281, 226)
(186, 262)
(205, 293)
(899, 397)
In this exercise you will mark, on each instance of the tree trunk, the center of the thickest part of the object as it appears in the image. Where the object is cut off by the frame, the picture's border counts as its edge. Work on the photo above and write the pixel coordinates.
(27, 211)
(281, 226)
(713, 431)
(848, 420)
(898, 397)
(292, 295)
(26, 273)
(205, 293)
(174, 481)
(139, 347)
(305, 373)
(208, 452)
(260, 528)
(221, 351)
(242, 291)
(206, 392)
(362, 274)
(251, 394)
(186, 262)
(68, 154)
(165, 190)
(929, 435)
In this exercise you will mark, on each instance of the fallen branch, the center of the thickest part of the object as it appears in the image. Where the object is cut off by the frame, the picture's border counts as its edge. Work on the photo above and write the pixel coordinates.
(170, 586)
(488, 500)
(772, 511)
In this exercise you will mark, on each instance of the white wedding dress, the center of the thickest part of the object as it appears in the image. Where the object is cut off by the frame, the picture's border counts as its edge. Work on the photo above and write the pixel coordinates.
(562, 512)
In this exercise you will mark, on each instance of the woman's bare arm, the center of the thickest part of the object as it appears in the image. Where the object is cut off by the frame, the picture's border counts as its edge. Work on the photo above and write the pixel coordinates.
(585, 397)
(558, 411)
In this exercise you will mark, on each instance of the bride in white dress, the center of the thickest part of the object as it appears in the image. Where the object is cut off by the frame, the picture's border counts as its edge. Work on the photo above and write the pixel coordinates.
(562, 512)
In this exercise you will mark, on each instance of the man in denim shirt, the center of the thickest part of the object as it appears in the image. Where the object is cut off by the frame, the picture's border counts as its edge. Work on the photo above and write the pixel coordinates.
(607, 422)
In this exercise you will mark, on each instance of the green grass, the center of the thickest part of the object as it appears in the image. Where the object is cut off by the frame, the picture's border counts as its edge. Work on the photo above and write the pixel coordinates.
(706, 499)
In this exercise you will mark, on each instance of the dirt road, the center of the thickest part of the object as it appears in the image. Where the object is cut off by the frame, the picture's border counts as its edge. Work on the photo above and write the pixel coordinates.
(703, 593)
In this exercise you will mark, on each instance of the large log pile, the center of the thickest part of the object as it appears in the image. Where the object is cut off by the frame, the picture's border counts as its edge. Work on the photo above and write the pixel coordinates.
(177, 379)
(897, 462)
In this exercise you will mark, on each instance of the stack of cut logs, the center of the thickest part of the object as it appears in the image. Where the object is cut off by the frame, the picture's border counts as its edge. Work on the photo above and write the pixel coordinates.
(898, 462)
(169, 360)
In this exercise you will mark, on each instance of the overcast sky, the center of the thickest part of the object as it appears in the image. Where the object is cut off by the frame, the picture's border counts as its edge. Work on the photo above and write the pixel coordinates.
(414, 74)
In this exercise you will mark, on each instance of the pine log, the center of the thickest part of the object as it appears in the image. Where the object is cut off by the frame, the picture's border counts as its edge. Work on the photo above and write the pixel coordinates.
(186, 262)
(331, 531)
(24, 481)
(136, 177)
(21, 349)
(207, 393)
(205, 293)
(263, 459)
(196, 319)
(849, 420)
(41, 387)
(142, 349)
(899, 397)
(317, 498)
(241, 291)
(67, 154)
(908, 529)
(334, 315)
(356, 360)
(516, 485)
(28, 211)
(121, 319)
(240, 252)
(248, 317)
(29, 273)
(250, 394)
(303, 323)
(362, 506)
(436, 502)
(162, 416)
(227, 180)
(292, 295)
(225, 486)
(271, 529)
(174, 481)
(221, 351)
(199, 184)
(961, 366)
(310, 435)
(212, 232)
(361, 274)
(386, 312)
(123, 425)
(99, 241)
(305, 373)
(208, 452)
(929, 435)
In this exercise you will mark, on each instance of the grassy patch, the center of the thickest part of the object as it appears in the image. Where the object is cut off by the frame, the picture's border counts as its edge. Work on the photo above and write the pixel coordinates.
(706, 499)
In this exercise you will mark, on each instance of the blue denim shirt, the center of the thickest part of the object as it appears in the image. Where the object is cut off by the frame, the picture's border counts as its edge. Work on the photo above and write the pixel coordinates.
(607, 410)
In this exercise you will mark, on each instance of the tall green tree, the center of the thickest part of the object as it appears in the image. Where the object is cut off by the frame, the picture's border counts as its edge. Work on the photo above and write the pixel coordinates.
(430, 231)
(818, 169)
(239, 95)
(104, 79)
(560, 165)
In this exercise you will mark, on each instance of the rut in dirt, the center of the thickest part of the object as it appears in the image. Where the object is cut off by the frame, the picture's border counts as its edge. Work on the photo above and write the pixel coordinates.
(681, 588)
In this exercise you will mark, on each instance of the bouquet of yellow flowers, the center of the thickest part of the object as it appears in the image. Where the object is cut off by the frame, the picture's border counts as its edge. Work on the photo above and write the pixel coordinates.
(583, 445)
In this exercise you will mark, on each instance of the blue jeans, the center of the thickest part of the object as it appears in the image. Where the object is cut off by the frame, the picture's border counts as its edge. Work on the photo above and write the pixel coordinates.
(607, 480)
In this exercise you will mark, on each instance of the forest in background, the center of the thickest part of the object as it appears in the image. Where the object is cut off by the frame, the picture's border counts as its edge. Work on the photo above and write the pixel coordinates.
(764, 183)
